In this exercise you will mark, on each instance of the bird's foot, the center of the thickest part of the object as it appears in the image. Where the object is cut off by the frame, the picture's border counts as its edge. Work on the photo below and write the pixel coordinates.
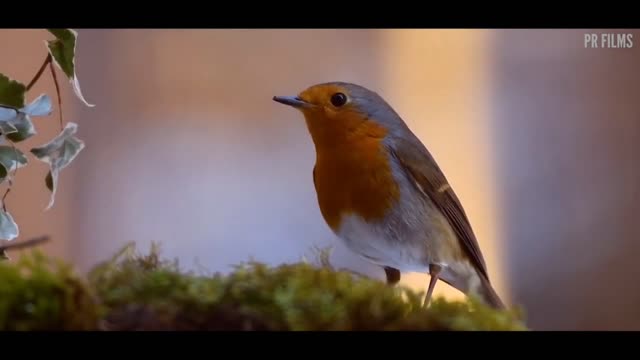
(392, 274)
(434, 273)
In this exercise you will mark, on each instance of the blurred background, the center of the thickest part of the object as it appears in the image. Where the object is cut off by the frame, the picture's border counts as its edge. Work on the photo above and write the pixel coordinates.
(538, 135)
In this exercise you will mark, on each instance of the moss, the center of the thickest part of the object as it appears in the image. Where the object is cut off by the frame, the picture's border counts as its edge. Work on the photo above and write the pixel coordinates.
(38, 293)
(134, 292)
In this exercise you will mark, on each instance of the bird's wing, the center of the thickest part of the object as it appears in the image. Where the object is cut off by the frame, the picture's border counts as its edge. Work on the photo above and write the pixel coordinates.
(430, 181)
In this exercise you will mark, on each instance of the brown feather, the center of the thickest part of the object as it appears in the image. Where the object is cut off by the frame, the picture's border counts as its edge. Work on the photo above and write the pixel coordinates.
(427, 175)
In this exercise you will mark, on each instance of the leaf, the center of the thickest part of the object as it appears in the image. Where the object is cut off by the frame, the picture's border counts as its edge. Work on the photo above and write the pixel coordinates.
(8, 228)
(6, 117)
(51, 181)
(11, 92)
(23, 126)
(7, 113)
(48, 180)
(63, 50)
(19, 127)
(11, 159)
(59, 153)
(41, 106)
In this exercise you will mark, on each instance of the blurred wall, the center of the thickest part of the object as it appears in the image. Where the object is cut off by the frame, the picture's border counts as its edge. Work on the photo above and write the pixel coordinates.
(567, 124)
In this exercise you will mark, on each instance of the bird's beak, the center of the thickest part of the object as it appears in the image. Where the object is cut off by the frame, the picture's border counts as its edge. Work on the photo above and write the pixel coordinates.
(294, 101)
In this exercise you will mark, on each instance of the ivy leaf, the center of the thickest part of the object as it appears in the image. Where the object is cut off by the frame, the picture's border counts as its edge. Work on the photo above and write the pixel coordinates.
(59, 153)
(11, 92)
(11, 159)
(63, 50)
(8, 228)
(16, 125)
(7, 115)
(48, 180)
(41, 106)
(23, 126)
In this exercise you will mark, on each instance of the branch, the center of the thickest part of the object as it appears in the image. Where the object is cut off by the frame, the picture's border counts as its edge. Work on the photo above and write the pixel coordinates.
(15, 171)
(33, 81)
(23, 244)
(4, 197)
(55, 81)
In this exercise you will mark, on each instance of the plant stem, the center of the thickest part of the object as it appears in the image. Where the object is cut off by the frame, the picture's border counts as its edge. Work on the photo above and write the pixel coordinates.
(23, 244)
(33, 81)
(15, 171)
(4, 204)
(55, 81)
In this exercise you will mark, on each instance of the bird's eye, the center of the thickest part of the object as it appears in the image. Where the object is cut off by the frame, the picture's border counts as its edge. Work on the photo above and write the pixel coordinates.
(338, 99)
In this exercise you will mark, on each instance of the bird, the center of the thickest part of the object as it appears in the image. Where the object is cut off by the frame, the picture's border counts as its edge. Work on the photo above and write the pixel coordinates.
(383, 194)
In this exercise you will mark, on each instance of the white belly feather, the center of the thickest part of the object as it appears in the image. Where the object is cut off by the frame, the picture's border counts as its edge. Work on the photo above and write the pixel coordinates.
(378, 244)
(409, 238)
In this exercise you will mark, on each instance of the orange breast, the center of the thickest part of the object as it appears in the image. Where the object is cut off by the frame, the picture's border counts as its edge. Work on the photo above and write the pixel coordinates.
(353, 176)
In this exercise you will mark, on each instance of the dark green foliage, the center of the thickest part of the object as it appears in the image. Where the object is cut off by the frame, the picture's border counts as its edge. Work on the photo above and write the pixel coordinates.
(147, 293)
(11, 92)
(37, 293)
(10, 159)
(63, 50)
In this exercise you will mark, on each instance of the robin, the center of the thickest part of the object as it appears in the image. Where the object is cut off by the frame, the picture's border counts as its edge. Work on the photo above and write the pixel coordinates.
(382, 193)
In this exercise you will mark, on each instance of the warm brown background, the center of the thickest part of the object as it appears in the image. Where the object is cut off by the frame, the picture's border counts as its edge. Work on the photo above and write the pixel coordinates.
(538, 135)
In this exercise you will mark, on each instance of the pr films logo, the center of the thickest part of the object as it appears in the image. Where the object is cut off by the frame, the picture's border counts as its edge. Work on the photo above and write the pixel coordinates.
(608, 41)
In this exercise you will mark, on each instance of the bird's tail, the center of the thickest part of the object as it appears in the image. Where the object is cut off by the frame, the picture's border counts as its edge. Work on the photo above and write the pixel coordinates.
(489, 294)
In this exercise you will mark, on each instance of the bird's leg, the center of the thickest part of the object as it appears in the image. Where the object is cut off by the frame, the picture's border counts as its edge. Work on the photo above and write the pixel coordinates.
(434, 273)
(393, 275)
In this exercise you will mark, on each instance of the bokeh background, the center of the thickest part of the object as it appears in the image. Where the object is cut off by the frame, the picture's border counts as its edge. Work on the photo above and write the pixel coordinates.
(538, 135)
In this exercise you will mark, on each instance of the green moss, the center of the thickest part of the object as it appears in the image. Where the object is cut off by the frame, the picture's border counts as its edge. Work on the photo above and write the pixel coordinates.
(133, 292)
(38, 293)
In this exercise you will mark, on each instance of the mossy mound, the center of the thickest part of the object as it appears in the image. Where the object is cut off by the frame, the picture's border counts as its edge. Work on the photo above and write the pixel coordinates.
(133, 292)
(38, 293)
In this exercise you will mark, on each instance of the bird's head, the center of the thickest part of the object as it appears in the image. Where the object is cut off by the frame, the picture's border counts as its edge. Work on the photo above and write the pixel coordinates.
(340, 111)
